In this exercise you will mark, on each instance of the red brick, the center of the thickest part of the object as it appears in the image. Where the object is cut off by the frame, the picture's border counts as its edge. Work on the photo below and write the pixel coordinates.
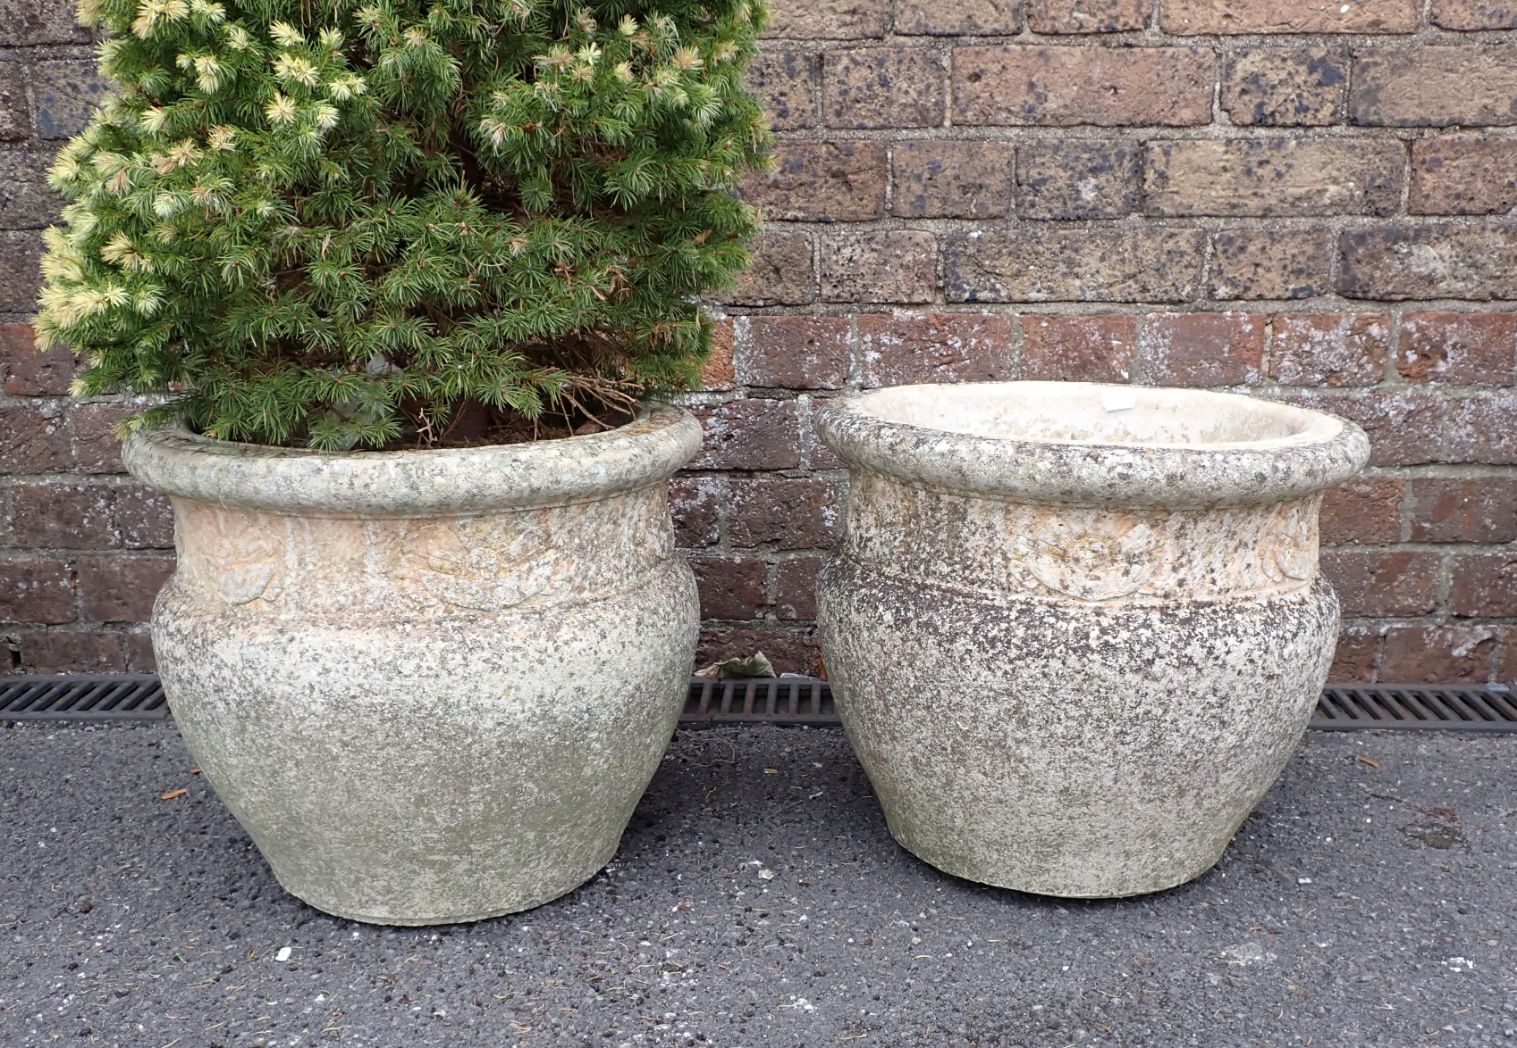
(1273, 176)
(1075, 179)
(693, 502)
(790, 648)
(1474, 14)
(1202, 349)
(121, 588)
(717, 371)
(1484, 585)
(819, 181)
(36, 590)
(1289, 16)
(947, 178)
(1286, 86)
(905, 348)
(1086, 348)
(1330, 349)
(94, 426)
(795, 352)
(789, 84)
(1506, 658)
(795, 588)
(20, 262)
(144, 518)
(56, 651)
(883, 87)
(64, 516)
(1438, 654)
(749, 434)
(1354, 659)
(1067, 86)
(780, 273)
(30, 371)
(33, 439)
(828, 19)
(1068, 262)
(1434, 260)
(958, 17)
(732, 587)
(1481, 429)
(15, 111)
(1405, 427)
(1383, 583)
(140, 657)
(1435, 86)
(1364, 510)
(1463, 175)
(1253, 263)
(1464, 509)
(1458, 348)
(892, 266)
(784, 513)
(1088, 16)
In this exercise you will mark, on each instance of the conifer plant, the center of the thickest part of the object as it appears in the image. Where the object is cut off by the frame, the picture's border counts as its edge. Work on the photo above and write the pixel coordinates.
(402, 223)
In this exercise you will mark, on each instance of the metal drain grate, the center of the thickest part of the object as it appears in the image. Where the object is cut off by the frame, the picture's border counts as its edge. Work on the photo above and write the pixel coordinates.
(795, 700)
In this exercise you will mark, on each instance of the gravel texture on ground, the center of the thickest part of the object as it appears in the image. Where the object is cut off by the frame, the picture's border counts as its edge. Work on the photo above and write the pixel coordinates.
(757, 900)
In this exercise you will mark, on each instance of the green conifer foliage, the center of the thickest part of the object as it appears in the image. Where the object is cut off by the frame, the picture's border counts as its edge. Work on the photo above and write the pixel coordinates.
(337, 225)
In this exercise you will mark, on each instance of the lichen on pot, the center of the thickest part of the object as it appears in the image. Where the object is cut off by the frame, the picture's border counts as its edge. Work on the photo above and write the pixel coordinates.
(1076, 630)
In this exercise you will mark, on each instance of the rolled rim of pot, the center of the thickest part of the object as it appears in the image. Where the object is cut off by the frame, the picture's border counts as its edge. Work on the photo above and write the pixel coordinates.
(433, 481)
(1091, 443)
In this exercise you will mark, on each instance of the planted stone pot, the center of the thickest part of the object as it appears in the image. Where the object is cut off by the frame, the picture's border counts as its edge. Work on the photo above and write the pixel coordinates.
(431, 685)
(1076, 630)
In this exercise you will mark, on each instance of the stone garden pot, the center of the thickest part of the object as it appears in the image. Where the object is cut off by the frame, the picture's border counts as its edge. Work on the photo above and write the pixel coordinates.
(431, 685)
(1076, 630)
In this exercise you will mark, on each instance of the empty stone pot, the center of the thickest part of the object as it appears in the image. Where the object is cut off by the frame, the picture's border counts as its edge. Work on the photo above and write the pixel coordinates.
(431, 685)
(1076, 630)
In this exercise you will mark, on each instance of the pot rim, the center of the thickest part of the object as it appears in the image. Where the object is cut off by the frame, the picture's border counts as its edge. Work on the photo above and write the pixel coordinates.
(422, 482)
(1319, 450)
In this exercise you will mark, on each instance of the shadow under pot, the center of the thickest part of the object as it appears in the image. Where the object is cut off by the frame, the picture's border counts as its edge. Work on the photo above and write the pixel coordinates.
(1075, 631)
(431, 685)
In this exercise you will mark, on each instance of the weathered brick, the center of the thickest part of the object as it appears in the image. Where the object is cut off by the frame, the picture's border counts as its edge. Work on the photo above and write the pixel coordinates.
(717, 374)
(789, 84)
(795, 352)
(1089, 16)
(958, 17)
(1286, 86)
(15, 115)
(693, 504)
(1441, 260)
(144, 518)
(1254, 263)
(26, 202)
(59, 651)
(1202, 349)
(1438, 654)
(784, 512)
(66, 91)
(1017, 84)
(1463, 175)
(1354, 659)
(1289, 16)
(1275, 176)
(140, 657)
(1405, 427)
(781, 273)
(1383, 583)
(1075, 179)
(121, 587)
(1330, 349)
(1506, 657)
(95, 441)
(1074, 263)
(817, 456)
(795, 588)
(1458, 348)
(30, 371)
(64, 516)
(1463, 509)
(822, 182)
(1365, 511)
(1483, 585)
(790, 648)
(884, 87)
(36, 590)
(732, 587)
(898, 265)
(1481, 429)
(749, 434)
(30, 22)
(905, 348)
(828, 19)
(1078, 347)
(943, 178)
(20, 272)
(1474, 14)
(33, 439)
(1435, 86)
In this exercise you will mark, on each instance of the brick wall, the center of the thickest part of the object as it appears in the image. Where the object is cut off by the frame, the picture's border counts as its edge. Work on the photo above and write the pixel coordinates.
(1308, 200)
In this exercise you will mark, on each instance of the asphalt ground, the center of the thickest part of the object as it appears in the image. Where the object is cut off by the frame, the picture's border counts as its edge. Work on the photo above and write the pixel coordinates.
(757, 900)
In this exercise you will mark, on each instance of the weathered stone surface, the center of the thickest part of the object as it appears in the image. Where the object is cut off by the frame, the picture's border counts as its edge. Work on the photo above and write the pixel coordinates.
(1463, 175)
(1481, 430)
(1474, 14)
(1017, 84)
(821, 181)
(31, 22)
(1099, 348)
(1254, 263)
(944, 178)
(1275, 176)
(1077, 179)
(491, 582)
(884, 87)
(1435, 86)
(902, 348)
(1031, 263)
(782, 271)
(20, 275)
(897, 265)
(988, 563)
(1089, 16)
(15, 114)
(958, 17)
(65, 92)
(26, 202)
(1405, 426)
(1289, 16)
(1330, 349)
(1458, 348)
(1202, 349)
(828, 19)
(1286, 86)
(1398, 261)
(789, 84)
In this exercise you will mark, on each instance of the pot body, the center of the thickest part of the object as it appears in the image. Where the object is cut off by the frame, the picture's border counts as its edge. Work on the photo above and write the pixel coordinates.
(432, 689)
(1074, 697)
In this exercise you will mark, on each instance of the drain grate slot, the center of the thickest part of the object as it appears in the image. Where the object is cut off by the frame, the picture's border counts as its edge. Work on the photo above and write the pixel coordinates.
(796, 701)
